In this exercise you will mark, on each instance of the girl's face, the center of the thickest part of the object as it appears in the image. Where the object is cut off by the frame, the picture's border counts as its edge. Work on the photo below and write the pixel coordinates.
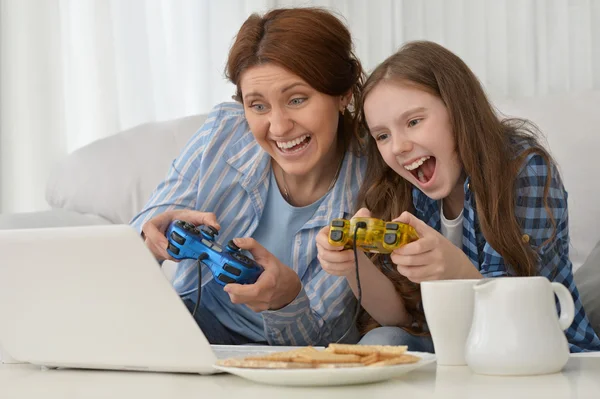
(414, 136)
(293, 122)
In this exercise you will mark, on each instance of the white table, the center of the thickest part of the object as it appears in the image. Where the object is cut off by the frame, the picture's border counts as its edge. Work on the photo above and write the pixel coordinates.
(579, 379)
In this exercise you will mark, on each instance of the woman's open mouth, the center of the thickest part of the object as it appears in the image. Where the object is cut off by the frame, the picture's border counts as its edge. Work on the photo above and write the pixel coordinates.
(422, 169)
(293, 146)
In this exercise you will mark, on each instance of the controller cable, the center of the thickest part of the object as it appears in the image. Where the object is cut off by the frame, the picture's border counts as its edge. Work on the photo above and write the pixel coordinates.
(359, 225)
(199, 263)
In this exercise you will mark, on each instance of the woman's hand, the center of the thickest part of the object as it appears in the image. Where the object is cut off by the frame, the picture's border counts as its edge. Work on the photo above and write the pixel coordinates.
(154, 229)
(432, 256)
(337, 260)
(276, 287)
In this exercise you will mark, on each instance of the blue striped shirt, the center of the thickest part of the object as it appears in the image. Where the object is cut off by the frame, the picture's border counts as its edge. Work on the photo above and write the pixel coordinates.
(223, 170)
(554, 262)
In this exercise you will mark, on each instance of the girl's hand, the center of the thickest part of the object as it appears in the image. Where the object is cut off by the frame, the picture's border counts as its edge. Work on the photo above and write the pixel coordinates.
(276, 287)
(337, 260)
(432, 256)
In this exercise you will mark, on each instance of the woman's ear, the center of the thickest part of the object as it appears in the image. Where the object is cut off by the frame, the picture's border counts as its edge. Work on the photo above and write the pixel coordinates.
(345, 100)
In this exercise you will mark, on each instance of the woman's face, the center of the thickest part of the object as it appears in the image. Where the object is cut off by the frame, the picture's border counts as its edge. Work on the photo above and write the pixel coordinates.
(293, 122)
(414, 136)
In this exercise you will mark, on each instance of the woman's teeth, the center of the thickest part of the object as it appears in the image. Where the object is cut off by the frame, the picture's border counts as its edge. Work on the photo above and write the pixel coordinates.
(292, 143)
(416, 164)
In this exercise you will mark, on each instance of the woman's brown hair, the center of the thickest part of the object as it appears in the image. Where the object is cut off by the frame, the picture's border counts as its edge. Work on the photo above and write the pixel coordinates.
(489, 148)
(311, 43)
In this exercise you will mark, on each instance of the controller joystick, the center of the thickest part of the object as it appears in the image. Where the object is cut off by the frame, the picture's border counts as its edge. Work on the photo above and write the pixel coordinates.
(231, 245)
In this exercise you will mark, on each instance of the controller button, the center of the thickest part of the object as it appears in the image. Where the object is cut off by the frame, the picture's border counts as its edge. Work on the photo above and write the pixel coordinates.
(389, 238)
(215, 247)
(242, 258)
(237, 256)
(336, 235)
(392, 226)
(225, 279)
(231, 245)
(177, 238)
(211, 231)
(337, 223)
(173, 249)
(206, 242)
(233, 270)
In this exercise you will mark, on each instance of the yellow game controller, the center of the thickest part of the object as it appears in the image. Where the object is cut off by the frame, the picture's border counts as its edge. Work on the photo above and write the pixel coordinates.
(373, 235)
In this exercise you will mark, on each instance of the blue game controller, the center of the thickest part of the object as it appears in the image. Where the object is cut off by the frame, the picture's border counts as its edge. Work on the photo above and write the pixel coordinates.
(228, 265)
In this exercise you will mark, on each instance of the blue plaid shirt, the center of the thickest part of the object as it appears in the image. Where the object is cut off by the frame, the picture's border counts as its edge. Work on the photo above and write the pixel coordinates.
(535, 222)
(223, 169)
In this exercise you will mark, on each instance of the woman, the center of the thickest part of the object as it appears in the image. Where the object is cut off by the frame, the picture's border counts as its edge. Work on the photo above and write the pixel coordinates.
(275, 167)
(483, 194)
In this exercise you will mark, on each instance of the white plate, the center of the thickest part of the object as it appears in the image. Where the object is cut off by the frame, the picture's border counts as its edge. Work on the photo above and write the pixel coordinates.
(325, 376)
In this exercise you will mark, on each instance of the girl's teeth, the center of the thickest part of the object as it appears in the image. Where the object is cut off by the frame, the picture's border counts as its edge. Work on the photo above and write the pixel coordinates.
(416, 164)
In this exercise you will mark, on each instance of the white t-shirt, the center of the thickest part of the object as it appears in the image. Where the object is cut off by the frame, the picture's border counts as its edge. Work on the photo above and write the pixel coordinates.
(452, 229)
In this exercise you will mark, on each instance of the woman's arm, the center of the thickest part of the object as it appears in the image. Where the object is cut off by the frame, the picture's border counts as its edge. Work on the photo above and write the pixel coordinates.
(320, 307)
(177, 195)
(179, 190)
(324, 309)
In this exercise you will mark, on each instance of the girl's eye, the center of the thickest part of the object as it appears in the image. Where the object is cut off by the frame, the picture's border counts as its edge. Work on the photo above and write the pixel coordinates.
(381, 136)
(413, 122)
(297, 101)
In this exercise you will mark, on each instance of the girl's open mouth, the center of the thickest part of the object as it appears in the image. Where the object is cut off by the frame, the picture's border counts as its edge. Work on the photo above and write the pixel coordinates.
(422, 169)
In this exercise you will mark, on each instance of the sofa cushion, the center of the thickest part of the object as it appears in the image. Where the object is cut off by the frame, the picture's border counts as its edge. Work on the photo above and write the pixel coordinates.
(114, 177)
(587, 279)
(571, 123)
(52, 218)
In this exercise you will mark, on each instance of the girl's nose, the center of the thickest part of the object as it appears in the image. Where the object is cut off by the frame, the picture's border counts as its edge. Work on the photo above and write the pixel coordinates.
(401, 145)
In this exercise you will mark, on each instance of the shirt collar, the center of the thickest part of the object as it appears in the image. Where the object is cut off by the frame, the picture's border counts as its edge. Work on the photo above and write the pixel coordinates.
(249, 159)
(422, 202)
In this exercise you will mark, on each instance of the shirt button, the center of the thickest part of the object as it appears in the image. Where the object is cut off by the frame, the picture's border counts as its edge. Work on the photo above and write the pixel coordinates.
(525, 238)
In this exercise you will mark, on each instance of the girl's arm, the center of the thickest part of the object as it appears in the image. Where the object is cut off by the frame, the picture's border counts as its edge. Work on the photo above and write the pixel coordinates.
(379, 297)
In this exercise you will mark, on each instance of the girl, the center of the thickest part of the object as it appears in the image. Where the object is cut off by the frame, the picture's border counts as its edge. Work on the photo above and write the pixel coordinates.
(482, 193)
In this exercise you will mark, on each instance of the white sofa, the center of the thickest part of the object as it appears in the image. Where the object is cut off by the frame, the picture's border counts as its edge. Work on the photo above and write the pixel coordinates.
(109, 180)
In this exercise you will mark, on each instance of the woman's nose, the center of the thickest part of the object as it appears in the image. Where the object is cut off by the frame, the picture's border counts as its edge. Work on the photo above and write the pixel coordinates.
(280, 122)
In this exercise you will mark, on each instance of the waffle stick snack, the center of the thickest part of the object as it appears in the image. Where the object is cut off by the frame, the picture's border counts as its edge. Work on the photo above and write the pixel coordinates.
(286, 356)
(334, 356)
(262, 364)
(364, 350)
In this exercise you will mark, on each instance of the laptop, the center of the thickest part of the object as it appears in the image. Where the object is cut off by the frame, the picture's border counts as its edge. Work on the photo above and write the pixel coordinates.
(94, 297)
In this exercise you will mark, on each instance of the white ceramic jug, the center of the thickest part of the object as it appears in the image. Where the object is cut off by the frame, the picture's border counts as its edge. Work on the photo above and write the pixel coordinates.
(516, 329)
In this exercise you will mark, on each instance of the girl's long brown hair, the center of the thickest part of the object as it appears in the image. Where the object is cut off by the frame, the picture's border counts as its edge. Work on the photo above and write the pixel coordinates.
(489, 148)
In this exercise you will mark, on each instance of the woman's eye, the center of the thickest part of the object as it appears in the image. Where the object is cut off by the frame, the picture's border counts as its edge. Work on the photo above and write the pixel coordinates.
(413, 122)
(258, 107)
(297, 101)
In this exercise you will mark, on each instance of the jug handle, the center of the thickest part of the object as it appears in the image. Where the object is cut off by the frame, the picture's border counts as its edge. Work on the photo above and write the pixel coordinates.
(567, 306)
